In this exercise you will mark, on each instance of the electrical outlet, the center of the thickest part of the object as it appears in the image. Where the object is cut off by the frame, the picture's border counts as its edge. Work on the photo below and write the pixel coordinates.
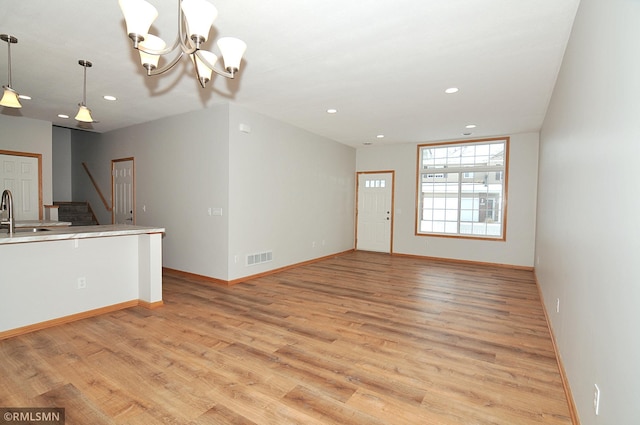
(557, 305)
(596, 399)
(82, 282)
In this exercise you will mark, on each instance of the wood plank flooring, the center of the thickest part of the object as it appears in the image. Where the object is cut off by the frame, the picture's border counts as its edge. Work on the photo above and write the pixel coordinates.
(362, 338)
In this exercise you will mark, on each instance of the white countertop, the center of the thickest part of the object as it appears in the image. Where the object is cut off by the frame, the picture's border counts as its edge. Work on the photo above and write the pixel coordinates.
(36, 224)
(75, 232)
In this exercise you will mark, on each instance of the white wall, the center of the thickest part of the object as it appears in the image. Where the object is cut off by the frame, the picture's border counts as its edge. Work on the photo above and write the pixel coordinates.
(21, 134)
(517, 250)
(588, 231)
(291, 192)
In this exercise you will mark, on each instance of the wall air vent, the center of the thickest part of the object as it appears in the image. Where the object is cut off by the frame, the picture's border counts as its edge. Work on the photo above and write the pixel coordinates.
(259, 258)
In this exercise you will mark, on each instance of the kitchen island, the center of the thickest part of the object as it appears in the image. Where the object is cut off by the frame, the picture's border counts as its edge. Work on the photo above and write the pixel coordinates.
(57, 275)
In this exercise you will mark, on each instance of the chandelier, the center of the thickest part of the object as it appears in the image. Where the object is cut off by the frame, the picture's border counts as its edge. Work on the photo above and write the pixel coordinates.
(195, 18)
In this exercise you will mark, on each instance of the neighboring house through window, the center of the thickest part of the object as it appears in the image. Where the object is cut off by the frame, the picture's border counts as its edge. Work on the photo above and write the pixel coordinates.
(462, 188)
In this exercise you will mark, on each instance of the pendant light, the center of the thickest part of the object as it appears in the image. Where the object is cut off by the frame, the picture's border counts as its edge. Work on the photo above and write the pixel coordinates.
(10, 96)
(84, 113)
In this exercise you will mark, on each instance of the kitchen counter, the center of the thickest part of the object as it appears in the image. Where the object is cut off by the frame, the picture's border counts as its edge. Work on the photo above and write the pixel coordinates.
(40, 224)
(64, 232)
(62, 274)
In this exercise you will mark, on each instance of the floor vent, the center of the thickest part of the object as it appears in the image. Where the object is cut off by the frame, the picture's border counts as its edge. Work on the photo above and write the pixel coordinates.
(259, 258)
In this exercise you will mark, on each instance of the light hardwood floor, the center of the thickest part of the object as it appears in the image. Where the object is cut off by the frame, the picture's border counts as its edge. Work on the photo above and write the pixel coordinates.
(362, 338)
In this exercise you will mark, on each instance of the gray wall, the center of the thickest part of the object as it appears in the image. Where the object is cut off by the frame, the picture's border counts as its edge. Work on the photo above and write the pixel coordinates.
(181, 169)
(291, 192)
(588, 232)
(62, 163)
(19, 134)
(279, 188)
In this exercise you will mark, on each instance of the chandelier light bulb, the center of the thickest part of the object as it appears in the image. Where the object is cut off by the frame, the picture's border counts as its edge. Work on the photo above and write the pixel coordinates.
(138, 15)
(232, 50)
(203, 70)
(150, 43)
(200, 15)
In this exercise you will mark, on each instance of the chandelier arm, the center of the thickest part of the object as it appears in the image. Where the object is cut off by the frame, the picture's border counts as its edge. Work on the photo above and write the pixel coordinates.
(158, 71)
(198, 77)
(159, 52)
(228, 74)
(188, 49)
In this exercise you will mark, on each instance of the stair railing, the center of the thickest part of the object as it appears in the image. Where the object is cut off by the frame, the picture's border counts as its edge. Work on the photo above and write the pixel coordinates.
(95, 185)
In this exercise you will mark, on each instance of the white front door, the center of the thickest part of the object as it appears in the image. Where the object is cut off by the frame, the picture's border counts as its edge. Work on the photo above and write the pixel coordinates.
(20, 175)
(375, 211)
(123, 191)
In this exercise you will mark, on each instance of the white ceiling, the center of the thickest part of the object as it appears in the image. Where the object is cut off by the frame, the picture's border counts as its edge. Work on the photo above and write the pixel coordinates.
(383, 64)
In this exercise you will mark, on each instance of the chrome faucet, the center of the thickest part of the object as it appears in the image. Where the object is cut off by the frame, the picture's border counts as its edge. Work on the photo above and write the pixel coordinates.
(6, 204)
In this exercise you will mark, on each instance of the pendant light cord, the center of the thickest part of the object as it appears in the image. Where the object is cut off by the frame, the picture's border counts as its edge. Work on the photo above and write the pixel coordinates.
(9, 61)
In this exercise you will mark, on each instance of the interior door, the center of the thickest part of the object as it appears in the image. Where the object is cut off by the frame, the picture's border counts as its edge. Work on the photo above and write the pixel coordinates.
(123, 189)
(20, 174)
(375, 212)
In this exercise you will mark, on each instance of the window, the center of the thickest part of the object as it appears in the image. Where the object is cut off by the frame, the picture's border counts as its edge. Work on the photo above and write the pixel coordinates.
(375, 183)
(462, 188)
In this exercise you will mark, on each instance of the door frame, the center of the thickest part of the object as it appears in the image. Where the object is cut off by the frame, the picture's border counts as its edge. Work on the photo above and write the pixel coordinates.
(39, 157)
(393, 194)
(133, 190)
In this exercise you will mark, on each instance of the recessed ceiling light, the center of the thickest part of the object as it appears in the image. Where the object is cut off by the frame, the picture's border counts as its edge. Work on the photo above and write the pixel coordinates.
(108, 97)
(367, 143)
(380, 136)
(63, 116)
(451, 90)
(470, 126)
(331, 111)
(24, 96)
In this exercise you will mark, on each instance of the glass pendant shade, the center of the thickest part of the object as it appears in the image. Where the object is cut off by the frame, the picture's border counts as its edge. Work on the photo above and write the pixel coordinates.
(10, 98)
(203, 70)
(232, 50)
(84, 114)
(200, 15)
(139, 15)
(153, 43)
